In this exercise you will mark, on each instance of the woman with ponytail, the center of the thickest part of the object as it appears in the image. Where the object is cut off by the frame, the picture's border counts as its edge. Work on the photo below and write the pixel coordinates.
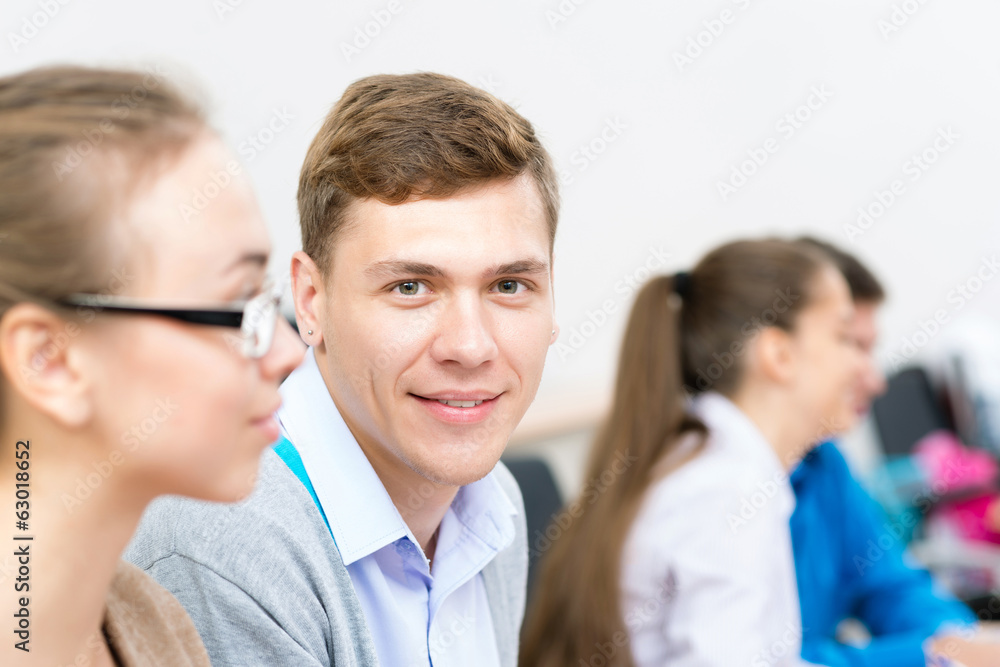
(728, 375)
(140, 354)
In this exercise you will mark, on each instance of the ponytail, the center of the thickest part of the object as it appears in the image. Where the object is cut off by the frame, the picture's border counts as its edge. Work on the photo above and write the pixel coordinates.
(578, 606)
(679, 328)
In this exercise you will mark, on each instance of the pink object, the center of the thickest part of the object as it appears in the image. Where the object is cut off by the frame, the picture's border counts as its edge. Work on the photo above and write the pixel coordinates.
(968, 518)
(951, 466)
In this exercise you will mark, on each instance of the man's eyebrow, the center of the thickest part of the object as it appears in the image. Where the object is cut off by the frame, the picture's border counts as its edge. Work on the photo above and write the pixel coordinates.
(520, 266)
(391, 268)
(256, 259)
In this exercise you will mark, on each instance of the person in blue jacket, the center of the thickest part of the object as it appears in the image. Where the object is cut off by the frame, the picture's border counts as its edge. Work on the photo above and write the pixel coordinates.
(850, 560)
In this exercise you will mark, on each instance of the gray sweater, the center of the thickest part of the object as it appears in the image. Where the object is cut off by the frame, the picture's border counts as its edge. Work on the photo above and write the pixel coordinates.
(265, 585)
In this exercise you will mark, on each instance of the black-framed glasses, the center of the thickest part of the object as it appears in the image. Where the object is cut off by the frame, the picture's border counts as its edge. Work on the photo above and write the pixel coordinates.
(256, 319)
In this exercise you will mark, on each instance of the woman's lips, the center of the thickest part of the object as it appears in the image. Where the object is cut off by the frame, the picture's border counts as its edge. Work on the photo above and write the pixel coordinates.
(268, 426)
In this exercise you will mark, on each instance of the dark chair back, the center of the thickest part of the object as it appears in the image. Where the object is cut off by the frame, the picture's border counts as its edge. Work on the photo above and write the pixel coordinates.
(908, 411)
(542, 500)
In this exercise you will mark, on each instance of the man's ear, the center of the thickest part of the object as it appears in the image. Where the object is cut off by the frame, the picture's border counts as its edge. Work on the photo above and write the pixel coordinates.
(774, 355)
(309, 293)
(42, 361)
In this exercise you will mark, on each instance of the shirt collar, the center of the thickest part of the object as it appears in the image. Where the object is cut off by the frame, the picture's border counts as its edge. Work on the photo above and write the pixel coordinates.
(485, 510)
(730, 426)
(478, 525)
(362, 516)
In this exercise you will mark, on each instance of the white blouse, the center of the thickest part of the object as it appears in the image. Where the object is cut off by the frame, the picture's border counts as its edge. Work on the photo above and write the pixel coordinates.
(708, 576)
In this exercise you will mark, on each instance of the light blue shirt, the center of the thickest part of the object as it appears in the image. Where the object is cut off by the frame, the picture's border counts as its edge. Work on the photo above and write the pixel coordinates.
(419, 617)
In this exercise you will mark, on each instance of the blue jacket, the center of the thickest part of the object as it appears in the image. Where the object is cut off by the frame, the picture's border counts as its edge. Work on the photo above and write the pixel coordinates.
(850, 561)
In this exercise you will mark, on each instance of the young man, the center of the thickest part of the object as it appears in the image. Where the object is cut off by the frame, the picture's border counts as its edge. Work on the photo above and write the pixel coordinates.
(383, 527)
(836, 521)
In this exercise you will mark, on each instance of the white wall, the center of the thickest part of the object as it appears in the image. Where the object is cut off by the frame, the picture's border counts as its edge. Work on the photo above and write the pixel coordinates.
(675, 131)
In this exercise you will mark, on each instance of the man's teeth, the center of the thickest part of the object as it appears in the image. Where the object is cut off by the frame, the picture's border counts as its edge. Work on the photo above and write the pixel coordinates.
(460, 404)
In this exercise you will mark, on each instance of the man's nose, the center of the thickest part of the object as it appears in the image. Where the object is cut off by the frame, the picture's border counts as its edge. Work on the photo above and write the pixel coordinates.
(465, 333)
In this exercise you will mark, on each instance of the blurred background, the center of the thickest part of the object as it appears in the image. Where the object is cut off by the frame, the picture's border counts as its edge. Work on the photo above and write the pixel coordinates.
(675, 127)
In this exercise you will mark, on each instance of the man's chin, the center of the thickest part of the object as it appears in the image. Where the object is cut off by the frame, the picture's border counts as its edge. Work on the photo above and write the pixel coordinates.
(458, 468)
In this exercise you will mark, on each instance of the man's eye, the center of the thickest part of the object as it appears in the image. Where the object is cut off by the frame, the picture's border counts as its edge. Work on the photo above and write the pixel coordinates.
(508, 286)
(409, 288)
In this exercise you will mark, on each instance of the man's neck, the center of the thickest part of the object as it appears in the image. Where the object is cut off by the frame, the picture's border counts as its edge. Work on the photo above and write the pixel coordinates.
(421, 502)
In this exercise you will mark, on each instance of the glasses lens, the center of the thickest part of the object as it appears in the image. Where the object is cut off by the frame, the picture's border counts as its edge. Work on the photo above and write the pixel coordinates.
(260, 317)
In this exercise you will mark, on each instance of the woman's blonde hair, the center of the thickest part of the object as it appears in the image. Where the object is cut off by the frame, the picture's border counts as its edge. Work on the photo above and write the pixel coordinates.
(73, 143)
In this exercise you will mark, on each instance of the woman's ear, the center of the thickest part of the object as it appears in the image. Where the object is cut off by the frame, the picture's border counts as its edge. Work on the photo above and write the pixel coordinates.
(41, 359)
(309, 294)
(774, 355)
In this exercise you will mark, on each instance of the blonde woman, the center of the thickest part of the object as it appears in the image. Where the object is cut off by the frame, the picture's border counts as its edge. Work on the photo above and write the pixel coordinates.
(140, 351)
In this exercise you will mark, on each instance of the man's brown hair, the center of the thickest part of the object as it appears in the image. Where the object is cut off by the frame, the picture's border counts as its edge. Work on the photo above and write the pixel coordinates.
(865, 287)
(425, 135)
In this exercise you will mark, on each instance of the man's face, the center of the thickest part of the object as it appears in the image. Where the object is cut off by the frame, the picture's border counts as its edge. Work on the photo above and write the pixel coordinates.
(870, 380)
(436, 322)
